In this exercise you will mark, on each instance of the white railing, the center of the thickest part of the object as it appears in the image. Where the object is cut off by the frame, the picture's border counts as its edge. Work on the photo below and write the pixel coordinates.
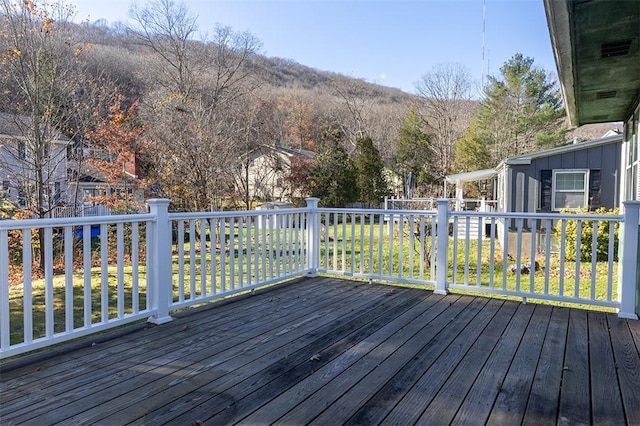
(529, 256)
(455, 204)
(99, 273)
(245, 250)
(65, 278)
(392, 245)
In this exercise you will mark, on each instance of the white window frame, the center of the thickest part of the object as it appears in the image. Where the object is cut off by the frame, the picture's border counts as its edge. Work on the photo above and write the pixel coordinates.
(554, 190)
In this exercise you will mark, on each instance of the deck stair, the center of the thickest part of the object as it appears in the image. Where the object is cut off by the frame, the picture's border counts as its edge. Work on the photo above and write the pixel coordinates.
(473, 228)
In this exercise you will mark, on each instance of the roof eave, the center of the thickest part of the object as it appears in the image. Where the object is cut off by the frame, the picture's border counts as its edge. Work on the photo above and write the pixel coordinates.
(560, 32)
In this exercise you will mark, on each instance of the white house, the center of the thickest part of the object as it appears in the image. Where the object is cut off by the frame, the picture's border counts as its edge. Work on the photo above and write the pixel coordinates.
(267, 170)
(18, 159)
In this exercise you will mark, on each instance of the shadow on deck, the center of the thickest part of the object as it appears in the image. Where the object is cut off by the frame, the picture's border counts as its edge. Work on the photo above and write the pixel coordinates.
(331, 351)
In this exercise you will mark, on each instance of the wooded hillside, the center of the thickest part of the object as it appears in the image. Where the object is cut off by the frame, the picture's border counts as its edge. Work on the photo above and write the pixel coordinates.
(197, 107)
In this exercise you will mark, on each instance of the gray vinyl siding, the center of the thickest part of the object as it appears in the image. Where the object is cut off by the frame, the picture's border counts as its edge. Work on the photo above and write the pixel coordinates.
(525, 189)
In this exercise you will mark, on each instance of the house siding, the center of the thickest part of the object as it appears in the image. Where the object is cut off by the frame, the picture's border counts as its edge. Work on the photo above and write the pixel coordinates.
(525, 194)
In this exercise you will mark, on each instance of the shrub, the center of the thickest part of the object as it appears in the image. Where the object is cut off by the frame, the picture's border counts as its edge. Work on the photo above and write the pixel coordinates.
(586, 236)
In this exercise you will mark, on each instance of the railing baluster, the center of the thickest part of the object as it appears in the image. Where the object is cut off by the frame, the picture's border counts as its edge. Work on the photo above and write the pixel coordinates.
(48, 282)
(240, 252)
(135, 268)
(432, 251)
(492, 250)
(27, 265)
(87, 256)
(390, 251)
(594, 257)
(576, 288)
(410, 228)
(343, 237)
(563, 239)
(180, 246)
(223, 254)
(467, 248)
(371, 230)
(192, 259)
(263, 247)
(455, 248)
(519, 224)
(353, 241)
(203, 255)
(68, 277)
(547, 255)
(422, 236)
(380, 243)
(532, 257)
(249, 251)
(400, 245)
(505, 252)
(479, 258)
(278, 247)
(120, 268)
(362, 222)
(610, 256)
(232, 254)
(104, 272)
(5, 317)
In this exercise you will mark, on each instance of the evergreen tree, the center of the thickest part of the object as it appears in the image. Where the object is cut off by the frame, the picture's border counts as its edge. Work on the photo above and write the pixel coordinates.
(470, 155)
(333, 173)
(413, 153)
(522, 111)
(370, 172)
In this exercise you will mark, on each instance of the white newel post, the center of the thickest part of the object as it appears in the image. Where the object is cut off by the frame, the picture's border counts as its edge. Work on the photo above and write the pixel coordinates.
(313, 237)
(442, 231)
(161, 283)
(628, 246)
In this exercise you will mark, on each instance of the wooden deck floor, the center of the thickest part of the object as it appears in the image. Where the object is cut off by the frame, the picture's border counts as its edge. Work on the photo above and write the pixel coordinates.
(328, 351)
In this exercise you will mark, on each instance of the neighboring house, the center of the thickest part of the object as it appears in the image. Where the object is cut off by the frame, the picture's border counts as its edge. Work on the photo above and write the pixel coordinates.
(72, 182)
(580, 175)
(268, 170)
(17, 170)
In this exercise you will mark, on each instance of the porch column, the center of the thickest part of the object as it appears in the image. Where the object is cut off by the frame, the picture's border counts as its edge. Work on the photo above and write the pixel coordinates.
(459, 195)
(160, 285)
(442, 235)
(628, 261)
(313, 237)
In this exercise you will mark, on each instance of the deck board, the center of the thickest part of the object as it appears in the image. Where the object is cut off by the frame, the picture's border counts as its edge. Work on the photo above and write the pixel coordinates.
(627, 359)
(542, 407)
(327, 351)
(575, 407)
(479, 400)
(514, 392)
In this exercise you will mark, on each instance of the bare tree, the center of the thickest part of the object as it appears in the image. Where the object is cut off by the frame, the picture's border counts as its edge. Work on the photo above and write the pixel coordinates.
(167, 28)
(45, 95)
(446, 93)
(192, 109)
(358, 104)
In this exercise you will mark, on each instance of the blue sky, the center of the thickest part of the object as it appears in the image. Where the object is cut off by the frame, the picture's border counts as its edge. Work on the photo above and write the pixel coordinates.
(389, 42)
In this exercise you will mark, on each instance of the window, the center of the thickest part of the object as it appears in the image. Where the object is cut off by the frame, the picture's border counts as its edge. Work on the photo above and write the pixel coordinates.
(56, 192)
(4, 191)
(632, 163)
(22, 151)
(570, 189)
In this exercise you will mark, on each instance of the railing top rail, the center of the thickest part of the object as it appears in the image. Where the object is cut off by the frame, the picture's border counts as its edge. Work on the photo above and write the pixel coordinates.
(74, 221)
(394, 212)
(238, 213)
(552, 216)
